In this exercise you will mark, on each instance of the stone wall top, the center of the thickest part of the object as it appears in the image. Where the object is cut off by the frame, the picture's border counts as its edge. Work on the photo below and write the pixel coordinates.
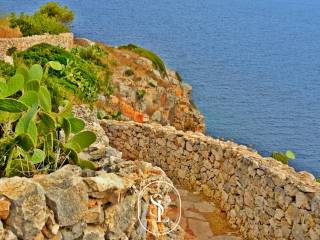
(268, 164)
(64, 40)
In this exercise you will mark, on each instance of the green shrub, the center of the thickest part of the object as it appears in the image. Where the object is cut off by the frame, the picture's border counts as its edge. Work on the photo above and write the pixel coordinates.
(92, 53)
(179, 77)
(37, 24)
(54, 10)
(140, 94)
(31, 139)
(78, 75)
(128, 72)
(115, 115)
(156, 60)
(11, 51)
(6, 70)
(51, 18)
(283, 157)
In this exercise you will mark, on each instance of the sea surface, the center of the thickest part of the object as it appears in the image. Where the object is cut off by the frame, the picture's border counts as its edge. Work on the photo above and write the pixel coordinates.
(254, 65)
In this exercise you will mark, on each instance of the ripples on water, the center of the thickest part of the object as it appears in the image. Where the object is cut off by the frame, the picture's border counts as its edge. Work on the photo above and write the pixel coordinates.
(254, 65)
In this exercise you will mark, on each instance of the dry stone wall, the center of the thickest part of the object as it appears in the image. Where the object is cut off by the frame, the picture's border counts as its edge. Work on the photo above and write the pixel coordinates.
(263, 197)
(79, 204)
(72, 203)
(64, 40)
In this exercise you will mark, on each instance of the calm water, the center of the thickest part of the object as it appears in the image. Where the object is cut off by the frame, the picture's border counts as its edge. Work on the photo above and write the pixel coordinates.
(254, 65)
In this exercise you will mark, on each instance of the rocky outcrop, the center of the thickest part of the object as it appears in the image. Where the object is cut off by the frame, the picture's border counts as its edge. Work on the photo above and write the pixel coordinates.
(72, 203)
(142, 94)
(77, 204)
(263, 197)
(27, 215)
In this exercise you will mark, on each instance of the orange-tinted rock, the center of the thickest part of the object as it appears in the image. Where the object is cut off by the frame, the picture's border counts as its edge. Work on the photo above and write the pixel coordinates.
(4, 208)
(163, 99)
(94, 202)
(126, 109)
(178, 91)
(138, 117)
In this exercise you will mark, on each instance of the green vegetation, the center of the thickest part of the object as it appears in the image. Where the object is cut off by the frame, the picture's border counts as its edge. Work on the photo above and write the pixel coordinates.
(192, 103)
(6, 70)
(140, 93)
(92, 53)
(80, 73)
(116, 115)
(128, 72)
(283, 157)
(31, 132)
(11, 51)
(179, 77)
(156, 60)
(54, 10)
(51, 18)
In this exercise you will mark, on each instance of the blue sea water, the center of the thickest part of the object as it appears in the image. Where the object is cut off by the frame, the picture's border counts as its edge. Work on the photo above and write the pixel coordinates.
(254, 65)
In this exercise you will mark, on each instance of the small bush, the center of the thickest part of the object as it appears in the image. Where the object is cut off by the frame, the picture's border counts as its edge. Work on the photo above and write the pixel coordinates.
(140, 94)
(51, 18)
(179, 77)
(6, 70)
(115, 115)
(129, 72)
(54, 10)
(92, 53)
(155, 59)
(11, 51)
(283, 157)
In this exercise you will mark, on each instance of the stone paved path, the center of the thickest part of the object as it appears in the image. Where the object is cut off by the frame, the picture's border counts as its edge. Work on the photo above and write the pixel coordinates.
(202, 220)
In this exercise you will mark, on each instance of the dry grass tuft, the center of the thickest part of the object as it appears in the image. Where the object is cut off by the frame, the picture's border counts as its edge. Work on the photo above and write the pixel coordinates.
(6, 31)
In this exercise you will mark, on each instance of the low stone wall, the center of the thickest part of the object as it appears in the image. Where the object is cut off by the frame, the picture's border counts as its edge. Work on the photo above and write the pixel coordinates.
(263, 197)
(72, 203)
(64, 40)
(79, 204)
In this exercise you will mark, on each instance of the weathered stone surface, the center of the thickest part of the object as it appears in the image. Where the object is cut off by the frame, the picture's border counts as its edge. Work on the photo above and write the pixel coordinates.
(94, 215)
(302, 201)
(126, 210)
(292, 214)
(51, 229)
(66, 195)
(252, 190)
(7, 235)
(28, 210)
(200, 228)
(195, 215)
(105, 182)
(73, 232)
(204, 207)
(225, 237)
(91, 232)
(57, 206)
(4, 208)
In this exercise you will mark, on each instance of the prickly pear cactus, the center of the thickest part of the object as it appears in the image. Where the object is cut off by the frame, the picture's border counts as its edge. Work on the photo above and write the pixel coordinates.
(30, 141)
